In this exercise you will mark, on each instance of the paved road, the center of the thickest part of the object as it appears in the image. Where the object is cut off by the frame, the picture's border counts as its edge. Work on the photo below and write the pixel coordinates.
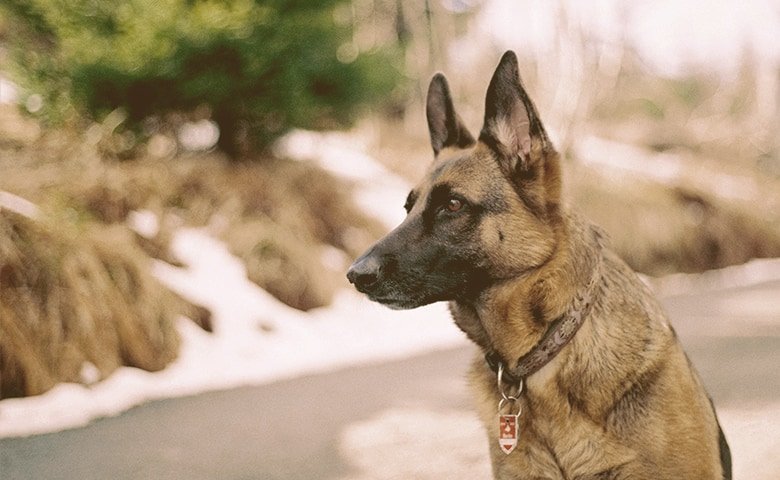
(368, 422)
(286, 430)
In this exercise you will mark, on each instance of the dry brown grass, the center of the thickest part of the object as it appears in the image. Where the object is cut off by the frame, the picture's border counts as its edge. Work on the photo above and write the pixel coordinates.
(277, 215)
(70, 295)
(285, 265)
(75, 285)
(659, 229)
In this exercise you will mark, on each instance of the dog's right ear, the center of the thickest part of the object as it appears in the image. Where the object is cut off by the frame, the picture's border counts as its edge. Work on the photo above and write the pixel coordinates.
(444, 124)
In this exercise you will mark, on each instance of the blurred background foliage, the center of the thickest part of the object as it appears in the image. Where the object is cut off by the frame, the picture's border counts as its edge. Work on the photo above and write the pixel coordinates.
(257, 69)
(172, 108)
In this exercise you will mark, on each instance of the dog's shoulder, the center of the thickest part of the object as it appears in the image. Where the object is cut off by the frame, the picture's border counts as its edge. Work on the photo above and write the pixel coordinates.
(621, 291)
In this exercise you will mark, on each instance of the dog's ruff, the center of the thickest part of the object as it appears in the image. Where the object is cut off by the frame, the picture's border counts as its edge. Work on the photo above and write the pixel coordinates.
(560, 333)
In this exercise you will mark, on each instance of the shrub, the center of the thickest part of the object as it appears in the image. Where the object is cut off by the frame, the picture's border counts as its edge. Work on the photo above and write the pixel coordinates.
(260, 68)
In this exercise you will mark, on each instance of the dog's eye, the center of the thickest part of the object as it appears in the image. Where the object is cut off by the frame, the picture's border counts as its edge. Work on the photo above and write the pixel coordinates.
(454, 205)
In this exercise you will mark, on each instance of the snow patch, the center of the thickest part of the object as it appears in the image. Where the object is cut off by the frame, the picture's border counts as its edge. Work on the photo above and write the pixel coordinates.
(9, 92)
(19, 205)
(144, 222)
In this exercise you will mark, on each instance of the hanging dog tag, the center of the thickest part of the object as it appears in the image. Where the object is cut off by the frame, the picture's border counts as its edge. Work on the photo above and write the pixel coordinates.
(507, 432)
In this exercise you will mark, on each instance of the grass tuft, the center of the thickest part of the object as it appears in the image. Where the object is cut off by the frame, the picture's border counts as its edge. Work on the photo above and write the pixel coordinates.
(70, 295)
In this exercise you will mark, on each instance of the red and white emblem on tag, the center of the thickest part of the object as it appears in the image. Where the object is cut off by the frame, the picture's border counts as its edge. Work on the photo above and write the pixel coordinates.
(507, 432)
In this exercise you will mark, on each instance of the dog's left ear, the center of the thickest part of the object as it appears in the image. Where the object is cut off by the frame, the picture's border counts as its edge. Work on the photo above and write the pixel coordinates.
(444, 124)
(512, 126)
(514, 132)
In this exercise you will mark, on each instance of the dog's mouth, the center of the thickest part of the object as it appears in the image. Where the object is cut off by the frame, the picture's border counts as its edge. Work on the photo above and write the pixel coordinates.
(401, 299)
(396, 303)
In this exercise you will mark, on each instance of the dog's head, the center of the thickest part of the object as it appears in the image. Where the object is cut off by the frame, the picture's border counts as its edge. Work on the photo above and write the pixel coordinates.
(487, 209)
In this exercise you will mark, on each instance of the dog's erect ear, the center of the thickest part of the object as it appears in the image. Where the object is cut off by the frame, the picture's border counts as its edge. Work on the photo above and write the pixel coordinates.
(444, 124)
(513, 130)
(512, 126)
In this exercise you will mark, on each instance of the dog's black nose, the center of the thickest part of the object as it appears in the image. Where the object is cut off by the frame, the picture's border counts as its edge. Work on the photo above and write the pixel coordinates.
(364, 273)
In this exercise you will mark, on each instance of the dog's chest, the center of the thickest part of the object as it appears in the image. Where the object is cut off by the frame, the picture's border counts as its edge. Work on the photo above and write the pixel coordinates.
(565, 451)
(554, 441)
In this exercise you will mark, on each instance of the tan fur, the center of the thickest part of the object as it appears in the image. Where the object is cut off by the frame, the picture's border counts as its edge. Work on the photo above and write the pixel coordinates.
(621, 400)
(570, 426)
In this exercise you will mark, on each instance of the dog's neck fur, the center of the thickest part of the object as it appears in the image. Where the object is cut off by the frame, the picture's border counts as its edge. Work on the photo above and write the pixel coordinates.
(511, 317)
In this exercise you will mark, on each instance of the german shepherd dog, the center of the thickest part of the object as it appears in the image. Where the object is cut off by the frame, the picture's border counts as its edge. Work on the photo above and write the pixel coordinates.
(580, 360)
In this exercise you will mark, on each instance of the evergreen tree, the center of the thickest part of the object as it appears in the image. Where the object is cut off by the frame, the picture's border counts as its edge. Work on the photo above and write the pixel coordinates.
(261, 67)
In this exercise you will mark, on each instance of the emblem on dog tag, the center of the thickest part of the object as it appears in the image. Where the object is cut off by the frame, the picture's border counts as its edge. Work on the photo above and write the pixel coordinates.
(507, 432)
